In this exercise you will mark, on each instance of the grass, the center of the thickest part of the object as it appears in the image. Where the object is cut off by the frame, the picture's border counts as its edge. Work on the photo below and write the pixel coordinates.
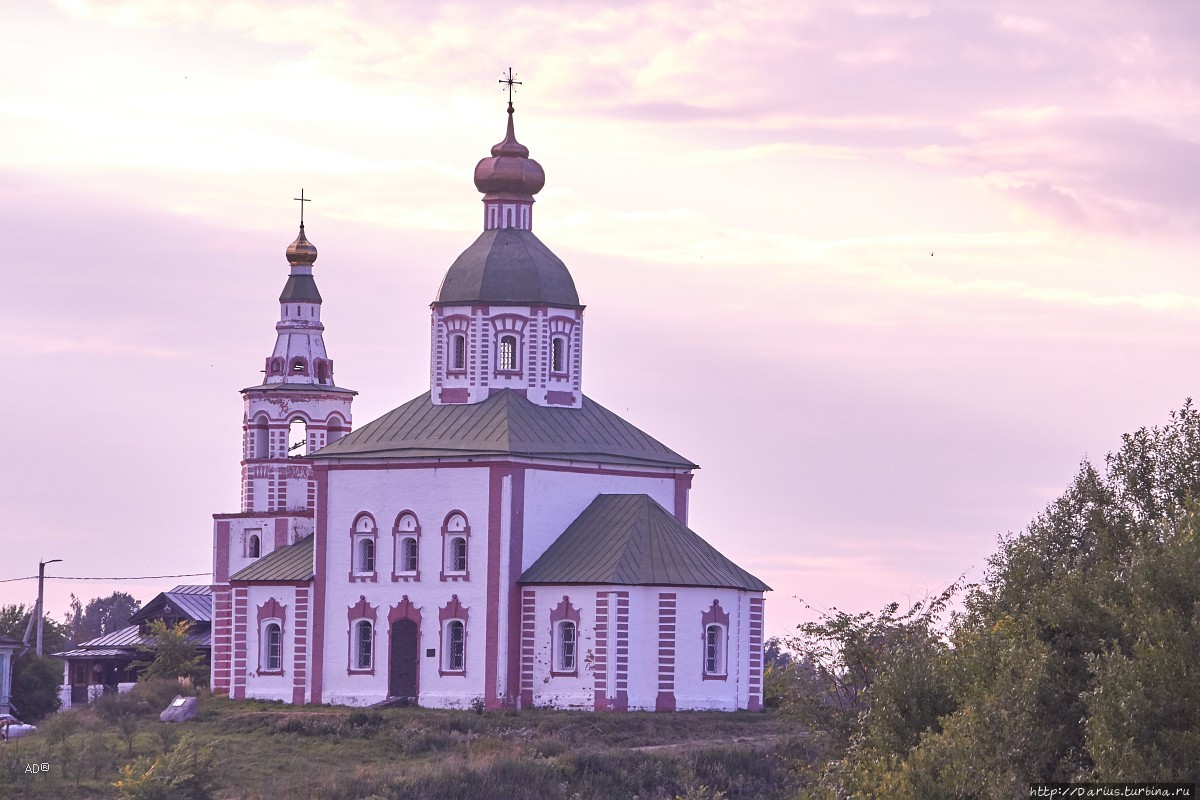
(264, 751)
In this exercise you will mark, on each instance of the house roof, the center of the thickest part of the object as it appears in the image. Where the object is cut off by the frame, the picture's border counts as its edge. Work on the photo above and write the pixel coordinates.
(129, 641)
(507, 266)
(505, 424)
(291, 563)
(7, 642)
(195, 602)
(630, 540)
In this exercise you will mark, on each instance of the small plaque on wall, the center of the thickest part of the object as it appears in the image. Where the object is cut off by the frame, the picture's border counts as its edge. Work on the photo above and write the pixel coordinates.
(430, 653)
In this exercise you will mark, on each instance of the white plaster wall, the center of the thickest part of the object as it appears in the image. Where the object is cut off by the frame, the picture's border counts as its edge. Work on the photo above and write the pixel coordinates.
(298, 528)
(692, 692)
(431, 494)
(270, 687)
(559, 691)
(553, 499)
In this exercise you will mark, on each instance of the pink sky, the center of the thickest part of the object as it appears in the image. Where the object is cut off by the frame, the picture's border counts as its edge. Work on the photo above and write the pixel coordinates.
(747, 196)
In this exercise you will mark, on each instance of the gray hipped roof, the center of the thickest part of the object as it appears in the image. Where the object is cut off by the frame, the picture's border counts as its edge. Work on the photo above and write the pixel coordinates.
(630, 540)
(508, 266)
(291, 563)
(195, 602)
(300, 289)
(505, 424)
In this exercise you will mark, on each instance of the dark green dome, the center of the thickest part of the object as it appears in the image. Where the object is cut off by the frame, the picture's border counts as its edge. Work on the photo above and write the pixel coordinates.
(508, 266)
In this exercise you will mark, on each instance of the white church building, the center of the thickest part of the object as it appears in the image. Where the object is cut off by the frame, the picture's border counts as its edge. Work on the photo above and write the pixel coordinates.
(502, 538)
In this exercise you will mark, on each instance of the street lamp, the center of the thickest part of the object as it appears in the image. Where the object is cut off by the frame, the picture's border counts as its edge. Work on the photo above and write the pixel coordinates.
(41, 592)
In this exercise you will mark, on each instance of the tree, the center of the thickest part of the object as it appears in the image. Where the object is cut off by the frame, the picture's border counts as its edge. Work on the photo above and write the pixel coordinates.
(35, 680)
(101, 616)
(173, 655)
(1075, 659)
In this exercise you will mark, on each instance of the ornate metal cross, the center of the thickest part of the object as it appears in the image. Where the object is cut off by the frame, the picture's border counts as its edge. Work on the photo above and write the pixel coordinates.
(511, 83)
(302, 200)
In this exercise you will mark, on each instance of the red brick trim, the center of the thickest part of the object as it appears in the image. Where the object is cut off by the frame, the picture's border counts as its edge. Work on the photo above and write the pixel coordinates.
(358, 534)
(360, 611)
(667, 620)
(755, 702)
(321, 473)
(300, 647)
(528, 645)
(715, 615)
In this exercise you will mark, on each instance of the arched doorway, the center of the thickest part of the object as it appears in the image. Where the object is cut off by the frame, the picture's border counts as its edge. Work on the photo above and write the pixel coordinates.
(402, 670)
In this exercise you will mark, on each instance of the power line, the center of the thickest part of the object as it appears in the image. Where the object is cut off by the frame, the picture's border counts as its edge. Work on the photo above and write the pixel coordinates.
(118, 578)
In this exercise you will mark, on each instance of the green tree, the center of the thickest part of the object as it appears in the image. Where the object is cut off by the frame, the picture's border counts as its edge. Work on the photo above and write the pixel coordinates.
(173, 655)
(1075, 658)
(35, 680)
(101, 616)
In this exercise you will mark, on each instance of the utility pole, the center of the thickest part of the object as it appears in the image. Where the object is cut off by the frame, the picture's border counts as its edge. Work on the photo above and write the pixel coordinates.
(41, 596)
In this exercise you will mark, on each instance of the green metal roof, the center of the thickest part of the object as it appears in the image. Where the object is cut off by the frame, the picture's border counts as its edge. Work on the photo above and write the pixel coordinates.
(505, 424)
(507, 266)
(291, 563)
(630, 540)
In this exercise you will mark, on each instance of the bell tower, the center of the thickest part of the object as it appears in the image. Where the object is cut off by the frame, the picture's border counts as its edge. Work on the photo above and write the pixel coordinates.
(298, 408)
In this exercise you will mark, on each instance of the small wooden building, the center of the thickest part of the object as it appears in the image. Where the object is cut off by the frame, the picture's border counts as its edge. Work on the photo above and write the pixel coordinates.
(105, 664)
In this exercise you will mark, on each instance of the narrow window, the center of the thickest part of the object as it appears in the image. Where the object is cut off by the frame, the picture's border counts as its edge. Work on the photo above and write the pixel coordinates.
(566, 646)
(253, 547)
(458, 554)
(298, 366)
(366, 555)
(460, 351)
(276, 366)
(557, 352)
(322, 372)
(713, 657)
(362, 647)
(409, 562)
(508, 353)
(455, 646)
(274, 659)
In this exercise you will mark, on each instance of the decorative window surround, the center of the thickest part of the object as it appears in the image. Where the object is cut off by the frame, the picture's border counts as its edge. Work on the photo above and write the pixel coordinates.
(455, 527)
(715, 625)
(405, 530)
(362, 568)
(360, 612)
(453, 618)
(271, 614)
(564, 614)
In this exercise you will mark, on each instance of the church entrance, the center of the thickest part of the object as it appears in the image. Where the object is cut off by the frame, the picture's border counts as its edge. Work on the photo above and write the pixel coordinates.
(402, 673)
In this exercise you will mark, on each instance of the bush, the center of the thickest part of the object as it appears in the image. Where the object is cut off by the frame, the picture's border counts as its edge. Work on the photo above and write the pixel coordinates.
(185, 773)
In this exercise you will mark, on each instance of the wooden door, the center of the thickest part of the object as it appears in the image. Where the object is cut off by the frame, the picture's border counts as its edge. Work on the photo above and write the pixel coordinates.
(402, 673)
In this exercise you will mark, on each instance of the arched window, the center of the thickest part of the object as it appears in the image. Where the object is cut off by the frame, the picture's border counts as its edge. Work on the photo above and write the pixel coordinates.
(362, 644)
(564, 645)
(455, 535)
(365, 560)
(558, 354)
(408, 554)
(456, 646)
(298, 438)
(273, 648)
(335, 429)
(458, 347)
(714, 650)
(322, 372)
(299, 367)
(458, 554)
(276, 366)
(253, 546)
(508, 354)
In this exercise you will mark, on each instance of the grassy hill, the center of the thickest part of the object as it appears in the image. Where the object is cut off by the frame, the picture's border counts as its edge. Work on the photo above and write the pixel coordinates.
(262, 751)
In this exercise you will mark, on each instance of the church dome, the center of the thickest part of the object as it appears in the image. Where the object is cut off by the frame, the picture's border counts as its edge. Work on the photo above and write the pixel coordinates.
(509, 170)
(508, 266)
(302, 250)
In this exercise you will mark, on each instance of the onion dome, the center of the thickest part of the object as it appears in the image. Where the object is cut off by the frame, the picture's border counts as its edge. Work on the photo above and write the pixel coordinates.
(509, 170)
(302, 250)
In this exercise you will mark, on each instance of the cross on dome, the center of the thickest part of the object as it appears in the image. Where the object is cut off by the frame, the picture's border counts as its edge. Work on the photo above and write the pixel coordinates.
(302, 200)
(511, 83)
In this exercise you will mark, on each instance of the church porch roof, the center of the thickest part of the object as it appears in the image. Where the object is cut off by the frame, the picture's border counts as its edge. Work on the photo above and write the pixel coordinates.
(631, 540)
(291, 563)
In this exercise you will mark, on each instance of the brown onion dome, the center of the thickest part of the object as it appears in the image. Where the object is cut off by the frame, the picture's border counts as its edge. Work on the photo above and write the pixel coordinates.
(510, 170)
(302, 250)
